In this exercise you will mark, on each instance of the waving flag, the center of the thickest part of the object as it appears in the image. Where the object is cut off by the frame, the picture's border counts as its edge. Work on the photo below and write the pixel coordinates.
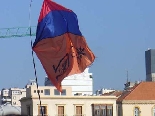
(59, 44)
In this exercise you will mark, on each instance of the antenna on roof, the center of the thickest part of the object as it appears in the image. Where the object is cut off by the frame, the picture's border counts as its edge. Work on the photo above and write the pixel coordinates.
(127, 80)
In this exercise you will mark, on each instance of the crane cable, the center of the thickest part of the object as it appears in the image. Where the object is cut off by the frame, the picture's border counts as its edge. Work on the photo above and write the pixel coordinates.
(35, 72)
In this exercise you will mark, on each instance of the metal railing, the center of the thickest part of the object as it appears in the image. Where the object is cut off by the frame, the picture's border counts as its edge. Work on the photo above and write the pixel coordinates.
(61, 115)
(17, 32)
(43, 115)
(70, 115)
(79, 115)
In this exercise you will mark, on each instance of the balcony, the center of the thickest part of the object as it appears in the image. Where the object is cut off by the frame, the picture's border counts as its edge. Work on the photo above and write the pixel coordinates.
(6, 99)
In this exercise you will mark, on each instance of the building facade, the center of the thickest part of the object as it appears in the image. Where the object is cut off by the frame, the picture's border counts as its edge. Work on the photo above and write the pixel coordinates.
(138, 100)
(16, 94)
(65, 104)
(5, 96)
(12, 96)
(150, 64)
(80, 83)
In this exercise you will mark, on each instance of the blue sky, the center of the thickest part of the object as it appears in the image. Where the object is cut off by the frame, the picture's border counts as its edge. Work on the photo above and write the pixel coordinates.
(117, 31)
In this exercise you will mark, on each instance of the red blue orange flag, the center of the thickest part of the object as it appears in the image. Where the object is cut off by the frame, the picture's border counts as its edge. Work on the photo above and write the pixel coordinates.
(59, 44)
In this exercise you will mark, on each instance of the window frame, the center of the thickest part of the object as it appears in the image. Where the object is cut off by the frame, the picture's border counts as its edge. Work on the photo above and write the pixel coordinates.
(81, 105)
(64, 92)
(34, 91)
(101, 109)
(14, 103)
(14, 97)
(153, 111)
(39, 110)
(59, 105)
(47, 92)
(55, 90)
(139, 112)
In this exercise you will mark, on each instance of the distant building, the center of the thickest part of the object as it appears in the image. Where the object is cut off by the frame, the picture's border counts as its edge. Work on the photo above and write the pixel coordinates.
(139, 100)
(129, 85)
(116, 93)
(103, 91)
(150, 64)
(5, 96)
(56, 104)
(13, 95)
(80, 83)
(16, 94)
(30, 83)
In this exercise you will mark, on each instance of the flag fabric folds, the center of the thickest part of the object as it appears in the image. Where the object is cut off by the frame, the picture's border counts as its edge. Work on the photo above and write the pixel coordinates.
(59, 44)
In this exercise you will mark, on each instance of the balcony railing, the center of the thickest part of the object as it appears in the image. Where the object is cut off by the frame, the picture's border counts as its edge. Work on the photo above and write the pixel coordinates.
(65, 115)
(43, 115)
(79, 115)
(6, 99)
(61, 115)
(70, 115)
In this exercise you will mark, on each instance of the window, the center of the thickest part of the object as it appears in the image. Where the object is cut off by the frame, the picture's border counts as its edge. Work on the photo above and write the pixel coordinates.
(97, 110)
(34, 91)
(41, 91)
(109, 111)
(63, 92)
(16, 92)
(153, 111)
(5, 92)
(136, 111)
(47, 91)
(102, 110)
(38, 91)
(79, 111)
(42, 109)
(56, 92)
(14, 97)
(61, 111)
(14, 103)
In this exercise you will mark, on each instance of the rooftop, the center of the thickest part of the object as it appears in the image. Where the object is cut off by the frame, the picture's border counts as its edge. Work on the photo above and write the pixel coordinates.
(141, 91)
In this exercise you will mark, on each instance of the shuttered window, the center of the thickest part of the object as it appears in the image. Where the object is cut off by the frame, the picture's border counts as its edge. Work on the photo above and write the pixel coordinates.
(43, 110)
(102, 110)
(60, 110)
(78, 110)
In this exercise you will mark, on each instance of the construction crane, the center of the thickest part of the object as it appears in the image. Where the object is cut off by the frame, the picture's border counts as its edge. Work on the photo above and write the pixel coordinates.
(17, 32)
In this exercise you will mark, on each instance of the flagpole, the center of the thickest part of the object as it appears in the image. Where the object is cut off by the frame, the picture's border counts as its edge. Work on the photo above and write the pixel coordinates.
(35, 72)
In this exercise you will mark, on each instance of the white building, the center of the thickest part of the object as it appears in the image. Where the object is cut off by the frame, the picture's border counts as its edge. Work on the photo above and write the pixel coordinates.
(103, 91)
(13, 95)
(16, 94)
(80, 83)
(5, 97)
